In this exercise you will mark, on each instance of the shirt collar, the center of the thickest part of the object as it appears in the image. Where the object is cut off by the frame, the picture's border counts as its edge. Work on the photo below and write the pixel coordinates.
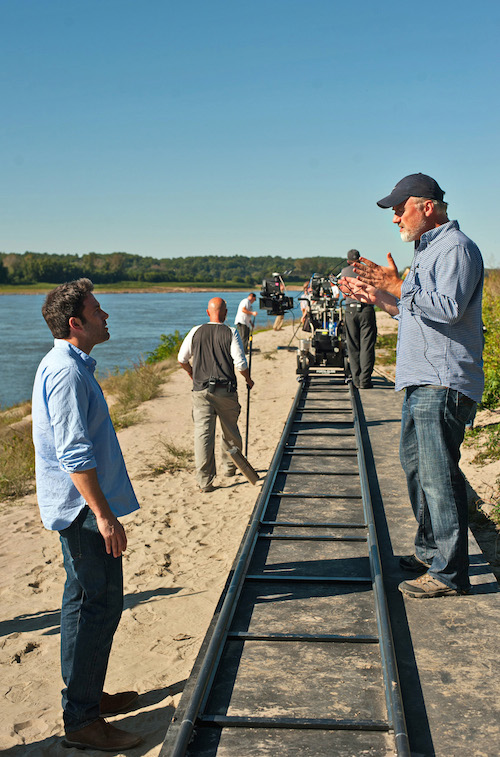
(89, 362)
(430, 236)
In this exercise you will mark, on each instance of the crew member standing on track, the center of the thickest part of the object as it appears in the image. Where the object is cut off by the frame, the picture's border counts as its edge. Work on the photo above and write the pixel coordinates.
(82, 489)
(243, 320)
(439, 364)
(214, 350)
(361, 332)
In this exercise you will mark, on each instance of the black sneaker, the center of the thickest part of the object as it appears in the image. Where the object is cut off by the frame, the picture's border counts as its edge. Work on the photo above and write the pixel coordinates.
(413, 563)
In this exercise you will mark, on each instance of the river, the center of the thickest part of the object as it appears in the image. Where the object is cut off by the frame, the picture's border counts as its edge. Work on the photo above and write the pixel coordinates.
(136, 321)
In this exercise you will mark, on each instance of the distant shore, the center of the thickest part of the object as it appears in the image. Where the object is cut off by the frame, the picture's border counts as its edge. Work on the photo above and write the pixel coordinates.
(129, 288)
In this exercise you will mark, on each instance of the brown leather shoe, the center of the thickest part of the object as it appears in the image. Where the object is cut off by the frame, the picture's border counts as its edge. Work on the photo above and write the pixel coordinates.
(102, 736)
(114, 704)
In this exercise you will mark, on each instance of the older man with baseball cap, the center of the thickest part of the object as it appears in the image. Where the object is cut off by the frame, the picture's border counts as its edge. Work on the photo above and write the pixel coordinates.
(439, 365)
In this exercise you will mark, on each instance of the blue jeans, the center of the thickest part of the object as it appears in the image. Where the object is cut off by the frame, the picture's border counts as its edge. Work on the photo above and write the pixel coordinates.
(432, 430)
(91, 610)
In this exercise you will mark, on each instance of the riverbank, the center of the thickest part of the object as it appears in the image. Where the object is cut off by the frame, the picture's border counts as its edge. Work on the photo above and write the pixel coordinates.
(132, 287)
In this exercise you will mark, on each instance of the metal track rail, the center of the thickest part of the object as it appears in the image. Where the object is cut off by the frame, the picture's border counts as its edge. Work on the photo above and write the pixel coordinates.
(299, 654)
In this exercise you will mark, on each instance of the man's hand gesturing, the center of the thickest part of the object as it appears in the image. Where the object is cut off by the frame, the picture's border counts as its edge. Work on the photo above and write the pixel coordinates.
(385, 278)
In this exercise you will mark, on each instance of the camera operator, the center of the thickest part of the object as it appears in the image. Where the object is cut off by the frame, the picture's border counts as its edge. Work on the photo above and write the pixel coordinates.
(216, 350)
(278, 321)
(361, 332)
(305, 307)
(243, 319)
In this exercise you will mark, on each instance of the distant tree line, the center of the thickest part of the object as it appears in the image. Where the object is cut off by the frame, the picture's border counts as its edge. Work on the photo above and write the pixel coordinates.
(41, 267)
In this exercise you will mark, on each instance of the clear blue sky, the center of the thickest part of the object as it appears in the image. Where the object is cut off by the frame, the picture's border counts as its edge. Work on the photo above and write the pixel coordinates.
(259, 127)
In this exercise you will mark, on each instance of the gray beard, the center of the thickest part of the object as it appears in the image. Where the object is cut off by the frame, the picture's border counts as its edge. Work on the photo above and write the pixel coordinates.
(409, 236)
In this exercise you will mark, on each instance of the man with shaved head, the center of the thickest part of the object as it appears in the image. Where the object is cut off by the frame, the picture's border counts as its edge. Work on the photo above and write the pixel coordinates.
(209, 354)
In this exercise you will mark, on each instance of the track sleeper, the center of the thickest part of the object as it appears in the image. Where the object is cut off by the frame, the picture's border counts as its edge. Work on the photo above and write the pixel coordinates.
(325, 724)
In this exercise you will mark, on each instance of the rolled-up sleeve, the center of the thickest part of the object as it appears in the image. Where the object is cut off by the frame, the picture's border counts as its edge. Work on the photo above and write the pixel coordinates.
(237, 351)
(67, 404)
(186, 350)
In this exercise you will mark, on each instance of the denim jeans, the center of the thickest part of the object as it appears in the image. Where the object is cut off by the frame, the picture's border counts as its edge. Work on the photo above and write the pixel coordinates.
(91, 610)
(432, 430)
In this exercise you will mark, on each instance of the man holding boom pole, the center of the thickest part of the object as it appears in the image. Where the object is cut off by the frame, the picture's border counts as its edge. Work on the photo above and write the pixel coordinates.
(214, 350)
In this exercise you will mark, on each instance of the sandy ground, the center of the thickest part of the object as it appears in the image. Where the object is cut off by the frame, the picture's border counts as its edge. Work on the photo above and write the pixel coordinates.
(181, 546)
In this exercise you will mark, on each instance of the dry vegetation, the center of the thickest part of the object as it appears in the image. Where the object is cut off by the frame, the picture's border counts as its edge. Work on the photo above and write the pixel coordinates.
(170, 458)
(17, 456)
(125, 392)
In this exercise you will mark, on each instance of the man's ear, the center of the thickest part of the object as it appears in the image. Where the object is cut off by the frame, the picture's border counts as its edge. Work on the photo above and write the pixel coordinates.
(428, 207)
(75, 324)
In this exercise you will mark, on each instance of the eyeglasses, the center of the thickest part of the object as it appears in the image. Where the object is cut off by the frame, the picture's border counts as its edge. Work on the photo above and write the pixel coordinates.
(400, 209)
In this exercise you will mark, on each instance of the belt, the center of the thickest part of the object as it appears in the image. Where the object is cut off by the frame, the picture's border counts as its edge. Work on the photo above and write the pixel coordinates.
(230, 385)
(358, 305)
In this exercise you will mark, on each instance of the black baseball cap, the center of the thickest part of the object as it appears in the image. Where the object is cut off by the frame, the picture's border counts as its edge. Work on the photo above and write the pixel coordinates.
(414, 185)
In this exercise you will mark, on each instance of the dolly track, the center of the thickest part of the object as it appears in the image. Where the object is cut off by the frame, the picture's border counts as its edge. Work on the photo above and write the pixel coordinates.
(299, 656)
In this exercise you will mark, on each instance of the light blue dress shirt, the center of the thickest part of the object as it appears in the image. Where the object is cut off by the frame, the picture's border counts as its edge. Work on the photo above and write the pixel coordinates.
(440, 335)
(72, 432)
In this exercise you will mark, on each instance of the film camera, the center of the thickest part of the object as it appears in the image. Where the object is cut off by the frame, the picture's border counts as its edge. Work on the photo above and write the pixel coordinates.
(272, 295)
(326, 345)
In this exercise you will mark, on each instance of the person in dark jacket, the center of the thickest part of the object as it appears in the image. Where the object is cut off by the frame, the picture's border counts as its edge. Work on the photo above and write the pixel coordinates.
(361, 332)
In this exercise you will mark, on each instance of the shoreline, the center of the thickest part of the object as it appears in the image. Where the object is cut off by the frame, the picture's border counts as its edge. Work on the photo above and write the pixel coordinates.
(104, 289)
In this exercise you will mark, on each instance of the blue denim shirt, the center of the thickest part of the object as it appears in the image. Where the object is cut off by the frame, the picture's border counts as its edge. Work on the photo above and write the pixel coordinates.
(72, 432)
(440, 336)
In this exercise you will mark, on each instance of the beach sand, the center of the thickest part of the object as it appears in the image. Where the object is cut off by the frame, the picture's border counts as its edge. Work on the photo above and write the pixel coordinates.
(181, 547)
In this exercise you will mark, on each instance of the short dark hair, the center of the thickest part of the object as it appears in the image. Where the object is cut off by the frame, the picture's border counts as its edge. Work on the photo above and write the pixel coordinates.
(65, 302)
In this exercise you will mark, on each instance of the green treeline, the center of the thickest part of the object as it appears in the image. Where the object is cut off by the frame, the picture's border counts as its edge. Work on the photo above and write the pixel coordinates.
(40, 267)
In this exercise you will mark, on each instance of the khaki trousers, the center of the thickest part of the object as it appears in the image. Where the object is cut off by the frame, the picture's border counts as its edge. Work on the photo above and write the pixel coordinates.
(207, 406)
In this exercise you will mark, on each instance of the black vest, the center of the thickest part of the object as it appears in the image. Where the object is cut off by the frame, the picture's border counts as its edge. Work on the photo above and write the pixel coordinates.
(211, 348)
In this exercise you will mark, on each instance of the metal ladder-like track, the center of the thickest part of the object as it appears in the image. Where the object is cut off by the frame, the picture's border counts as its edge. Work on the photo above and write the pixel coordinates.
(299, 656)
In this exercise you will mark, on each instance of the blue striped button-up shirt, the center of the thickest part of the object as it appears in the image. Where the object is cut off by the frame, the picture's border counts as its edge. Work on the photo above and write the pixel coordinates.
(440, 337)
(72, 432)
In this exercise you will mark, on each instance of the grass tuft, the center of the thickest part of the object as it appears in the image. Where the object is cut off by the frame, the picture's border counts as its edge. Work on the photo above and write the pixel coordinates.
(14, 413)
(486, 440)
(17, 462)
(491, 354)
(170, 458)
(129, 389)
(386, 348)
(169, 347)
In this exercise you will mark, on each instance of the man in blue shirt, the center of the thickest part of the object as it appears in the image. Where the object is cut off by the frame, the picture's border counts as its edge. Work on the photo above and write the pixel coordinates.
(82, 489)
(439, 365)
